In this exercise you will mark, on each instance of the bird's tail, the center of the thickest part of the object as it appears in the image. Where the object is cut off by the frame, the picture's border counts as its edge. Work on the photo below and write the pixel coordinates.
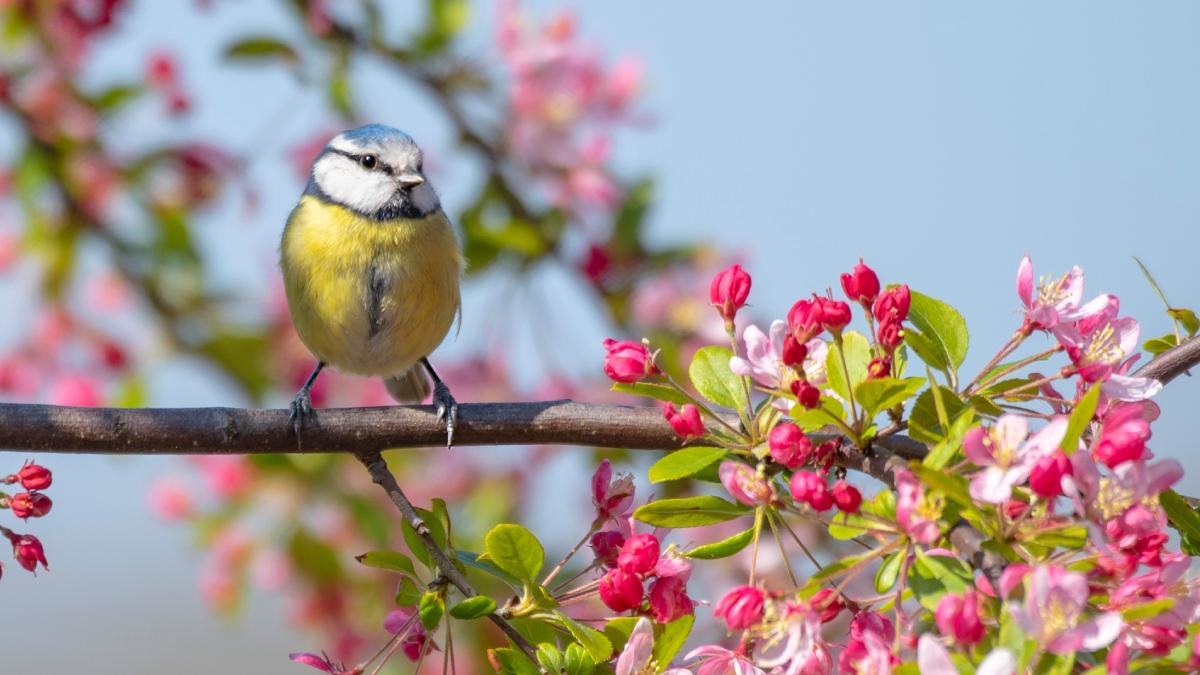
(410, 386)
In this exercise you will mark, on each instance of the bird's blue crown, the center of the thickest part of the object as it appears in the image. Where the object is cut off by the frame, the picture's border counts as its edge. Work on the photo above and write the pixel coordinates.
(376, 133)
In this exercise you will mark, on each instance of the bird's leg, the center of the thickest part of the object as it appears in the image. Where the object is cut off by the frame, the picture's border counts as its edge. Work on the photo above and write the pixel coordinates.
(447, 407)
(302, 409)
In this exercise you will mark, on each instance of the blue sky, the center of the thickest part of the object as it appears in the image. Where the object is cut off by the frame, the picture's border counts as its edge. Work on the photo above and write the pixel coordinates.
(939, 140)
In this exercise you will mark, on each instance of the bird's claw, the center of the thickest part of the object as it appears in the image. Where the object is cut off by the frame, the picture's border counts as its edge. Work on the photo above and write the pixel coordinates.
(447, 409)
(301, 411)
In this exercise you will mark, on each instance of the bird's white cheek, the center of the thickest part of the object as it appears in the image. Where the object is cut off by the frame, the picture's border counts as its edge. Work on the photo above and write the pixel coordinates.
(360, 190)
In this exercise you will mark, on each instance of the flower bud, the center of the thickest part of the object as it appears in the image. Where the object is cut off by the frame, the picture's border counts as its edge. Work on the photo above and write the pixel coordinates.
(30, 505)
(745, 484)
(28, 551)
(828, 603)
(669, 599)
(639, 554)
(1046, 477)
(957, 616)
(879, 367)
(789, 446)
(686, 421)
(835, 314)
(620, 591)
(889, 334)
(893, 304)
(861, 285)
(729, 291)
(35, 477)
(846, 496)
(811, 489)
(741, 607)
(607, 546)
(793, 353)
(808, 395)
(803, 320)
(627, 361)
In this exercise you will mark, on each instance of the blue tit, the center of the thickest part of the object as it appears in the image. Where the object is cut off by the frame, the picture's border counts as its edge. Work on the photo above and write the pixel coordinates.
(371, 267)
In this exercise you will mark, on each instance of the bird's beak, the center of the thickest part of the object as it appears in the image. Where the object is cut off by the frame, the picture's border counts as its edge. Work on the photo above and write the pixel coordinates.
(410, 180)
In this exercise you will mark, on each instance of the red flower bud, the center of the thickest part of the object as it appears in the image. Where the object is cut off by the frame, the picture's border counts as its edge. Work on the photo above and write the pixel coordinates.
(889, 334)
(846, 496)
(789, 446)
(627, 361)
(596, 264)
(893, 304)
(811, 489)
(861, 285)
(828, 603)
(28, 551)
(669, 599)
(879, 367)
(686, 421)
(741, 607)
(958, 617)
(1046, 477)
(808, 395)
(794, 352)
(639, 554)
(835, 314)
(30, 505)
(729, 291)
(620, 591)
(607, 546)
(803, 320)
(35, 477)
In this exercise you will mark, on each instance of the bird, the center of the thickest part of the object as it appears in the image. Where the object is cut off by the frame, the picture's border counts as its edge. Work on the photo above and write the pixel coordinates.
(371, 268)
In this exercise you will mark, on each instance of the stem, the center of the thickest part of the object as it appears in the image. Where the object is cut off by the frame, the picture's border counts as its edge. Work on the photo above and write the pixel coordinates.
(782, 553)
(758, 518)
(1037, 383)
(570, 554)
(703, 406)
(849, 385)
(382, 476)
(994, 377)
(1013, 342)
(799, 543)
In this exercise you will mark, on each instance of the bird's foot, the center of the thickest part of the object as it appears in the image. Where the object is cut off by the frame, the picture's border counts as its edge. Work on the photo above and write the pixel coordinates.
(301, 411)
(447, 409)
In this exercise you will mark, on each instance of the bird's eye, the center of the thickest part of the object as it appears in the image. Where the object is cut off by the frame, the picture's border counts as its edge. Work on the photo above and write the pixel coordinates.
(368, 161)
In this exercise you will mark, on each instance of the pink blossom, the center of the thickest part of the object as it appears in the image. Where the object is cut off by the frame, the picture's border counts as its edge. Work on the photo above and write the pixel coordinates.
(322, 663)
(635, 658)
(1006, 457)
(628, 361)
(861, 284)
(415, 640)
(847, 497)
(613, 499)
(620, 590)
(226, 476)
(639, 554)
(1126, 428)
(1099, 353)
(932, 657)
(1055, 300)
(729, 290)
(717, 660)
(741, 607)
(763, 362)
(745, 484)
(1045, 478)
(1053, 612)
(606, 546)
(669, 599)
(810, 488)
(916, 512)
(795, 643)
(75, 390)
(789, 445)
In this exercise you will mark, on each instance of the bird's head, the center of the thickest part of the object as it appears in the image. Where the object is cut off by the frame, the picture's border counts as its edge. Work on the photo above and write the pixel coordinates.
(376, 171)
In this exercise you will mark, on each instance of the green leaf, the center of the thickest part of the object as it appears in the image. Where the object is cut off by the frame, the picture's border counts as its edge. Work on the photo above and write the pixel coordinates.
(927, 349)
(576, 661)
(943, 325)
(619, 629)
(431, 608)
(889, 571)
(407, 592)
(1186, 318)
(1074, 537)
(1147, 610)
(549, 657)
(659, 392)
(875, 396)
(592, 640)
(261, 48)
(946, 449)
(243, 355)
(689, 512)
(314, 559)
(1081, 416)
(684, 463)
(829, 412)
(388, 560)
(858, 356)
(473, 608)
(724, 548)
(514, 662)
(846, 526)
(714, 380)
(627, 228)
(414, 543)
(474, 560)
(669, 639)
(515, 550)
(923, 421)
(1181, 515)
(1159, 345)
(114, 98)
(839, 566)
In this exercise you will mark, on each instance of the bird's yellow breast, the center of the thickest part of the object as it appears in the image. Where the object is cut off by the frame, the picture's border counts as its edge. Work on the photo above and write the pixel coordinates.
(369, 297)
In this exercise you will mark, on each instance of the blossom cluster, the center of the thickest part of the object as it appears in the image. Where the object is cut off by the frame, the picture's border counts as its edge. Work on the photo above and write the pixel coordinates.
(32, 502)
